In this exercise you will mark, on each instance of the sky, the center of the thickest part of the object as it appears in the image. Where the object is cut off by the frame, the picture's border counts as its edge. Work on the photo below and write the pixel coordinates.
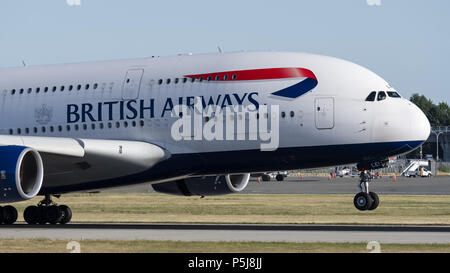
(407, 42)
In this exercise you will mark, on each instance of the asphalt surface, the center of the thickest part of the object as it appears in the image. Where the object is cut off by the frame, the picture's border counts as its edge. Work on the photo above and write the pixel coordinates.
(263, 233)
(257, 233)
(439, 185)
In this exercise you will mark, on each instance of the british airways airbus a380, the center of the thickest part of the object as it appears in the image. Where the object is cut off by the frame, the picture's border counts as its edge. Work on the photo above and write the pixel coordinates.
(76, 127)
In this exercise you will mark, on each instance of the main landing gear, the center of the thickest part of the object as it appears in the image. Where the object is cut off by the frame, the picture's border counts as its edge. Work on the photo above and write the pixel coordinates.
(365, 200)
(8, 215)
(47, 212)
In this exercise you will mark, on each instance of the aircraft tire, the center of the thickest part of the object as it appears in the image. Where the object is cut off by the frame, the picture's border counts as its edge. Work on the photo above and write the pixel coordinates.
(9, 215)
(67, 214)
(42, 220)
(1, 215)
(362, 201)
(375, 200)
(53, 214)
(31, 215)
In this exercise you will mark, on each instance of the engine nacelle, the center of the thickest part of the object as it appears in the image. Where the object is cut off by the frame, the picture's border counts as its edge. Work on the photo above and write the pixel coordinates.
(205, 186)
(21, 173)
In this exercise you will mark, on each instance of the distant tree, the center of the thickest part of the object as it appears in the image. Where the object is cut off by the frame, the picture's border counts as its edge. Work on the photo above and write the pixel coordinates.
(438, 115)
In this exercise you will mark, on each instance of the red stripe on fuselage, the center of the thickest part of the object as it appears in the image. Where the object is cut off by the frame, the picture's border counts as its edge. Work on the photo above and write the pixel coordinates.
(257, 74)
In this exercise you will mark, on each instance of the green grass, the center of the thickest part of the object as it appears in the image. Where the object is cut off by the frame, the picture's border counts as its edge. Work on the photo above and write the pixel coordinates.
(94, 246)
(254, 208)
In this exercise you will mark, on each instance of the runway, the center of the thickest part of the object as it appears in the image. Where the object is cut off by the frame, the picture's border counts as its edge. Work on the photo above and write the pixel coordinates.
(439, 185)
(213, 232)
(263, 233)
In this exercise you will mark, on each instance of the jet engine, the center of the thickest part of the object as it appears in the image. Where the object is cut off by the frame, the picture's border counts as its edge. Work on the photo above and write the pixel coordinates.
(205, 186)
(21, 173)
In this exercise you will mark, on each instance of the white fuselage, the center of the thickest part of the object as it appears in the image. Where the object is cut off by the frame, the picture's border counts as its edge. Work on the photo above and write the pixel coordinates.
(131, 100)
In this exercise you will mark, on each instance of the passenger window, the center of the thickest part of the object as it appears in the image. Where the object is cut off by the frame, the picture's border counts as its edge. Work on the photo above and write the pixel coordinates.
(381, 96)
(394, 94)
(371, 96)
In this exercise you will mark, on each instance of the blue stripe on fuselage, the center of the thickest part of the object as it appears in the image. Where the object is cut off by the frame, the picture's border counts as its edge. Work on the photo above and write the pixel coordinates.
(254, 161)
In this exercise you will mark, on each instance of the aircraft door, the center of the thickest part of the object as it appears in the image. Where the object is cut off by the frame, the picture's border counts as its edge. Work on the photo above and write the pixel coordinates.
(132, 84)
(324, 113)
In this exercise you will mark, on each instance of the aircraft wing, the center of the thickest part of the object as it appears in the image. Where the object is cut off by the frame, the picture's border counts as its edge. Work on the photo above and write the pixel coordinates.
(72, 161)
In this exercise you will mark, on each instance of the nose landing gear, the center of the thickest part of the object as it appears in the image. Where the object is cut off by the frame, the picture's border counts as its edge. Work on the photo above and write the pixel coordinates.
(47, 211)
(365, 200)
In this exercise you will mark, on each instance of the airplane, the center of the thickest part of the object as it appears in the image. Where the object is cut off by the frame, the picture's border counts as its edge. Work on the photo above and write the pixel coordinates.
(85, 126)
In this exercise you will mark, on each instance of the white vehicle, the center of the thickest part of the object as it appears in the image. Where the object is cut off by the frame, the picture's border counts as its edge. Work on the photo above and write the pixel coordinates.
(86, 126)
(415, 168)
(280, 176)
(424, 172)
(421, 172)
(343, 172)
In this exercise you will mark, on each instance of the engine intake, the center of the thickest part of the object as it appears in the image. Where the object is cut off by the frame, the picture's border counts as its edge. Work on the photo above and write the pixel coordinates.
(205, 186)
(21, 173)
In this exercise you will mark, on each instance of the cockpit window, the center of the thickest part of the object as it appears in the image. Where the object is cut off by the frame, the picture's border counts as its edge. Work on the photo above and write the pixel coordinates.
(393, 94)
(381, 95)
(371, 96)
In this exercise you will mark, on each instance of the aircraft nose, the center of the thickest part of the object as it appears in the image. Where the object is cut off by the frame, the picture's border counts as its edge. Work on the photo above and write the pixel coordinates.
(420, 127)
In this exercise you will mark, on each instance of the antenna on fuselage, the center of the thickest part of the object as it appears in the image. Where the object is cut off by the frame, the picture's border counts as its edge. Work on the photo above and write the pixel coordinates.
(23, 63)
(218, 48)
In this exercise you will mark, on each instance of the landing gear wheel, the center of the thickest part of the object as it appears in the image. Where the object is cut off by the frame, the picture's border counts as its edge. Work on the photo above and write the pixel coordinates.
(42, 215)
(375, 200)
(1, 215)
(66, 214)
(279, 177)
(32, 215)
(9, 215)
(47, 211)
(362, 201)
(53, 214)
